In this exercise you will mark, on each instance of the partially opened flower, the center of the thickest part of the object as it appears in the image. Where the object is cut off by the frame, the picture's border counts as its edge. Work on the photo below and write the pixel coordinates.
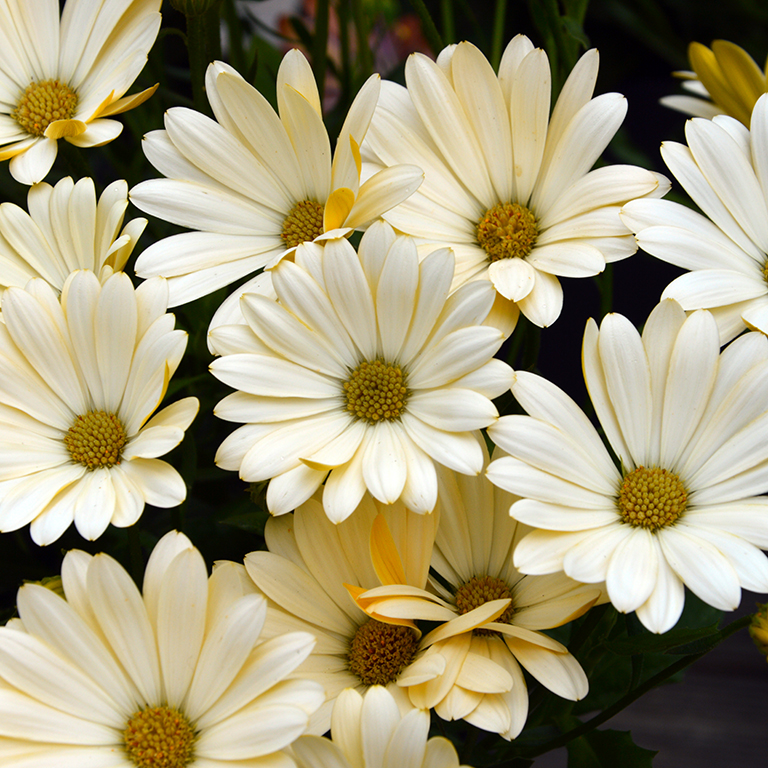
(256, 184)
(63, 78)
(79, 382)
(507, 188)
(363, 369)
(369, 731)
(66, 229)
(178, 677)
(688, 426)
(490, 614)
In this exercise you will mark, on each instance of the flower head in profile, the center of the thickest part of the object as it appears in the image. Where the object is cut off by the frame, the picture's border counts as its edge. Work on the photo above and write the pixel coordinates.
(688, 426)
(489, 614)
(64, 77)
(508, 188)
(369, 731)
(725, 80)
(66, 229)
(256, 184)
(79, 381)
(363, 368)
(176, 677)
(725, 171)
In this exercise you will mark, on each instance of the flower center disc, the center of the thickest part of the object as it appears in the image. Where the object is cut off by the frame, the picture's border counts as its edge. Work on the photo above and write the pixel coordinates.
(376, 391)
(96, 440)
(303, 224)
(159, 737)
(507, 231)
(651, 498)
(379, 652)
(42, 104)
(765, 271)
(480, 590)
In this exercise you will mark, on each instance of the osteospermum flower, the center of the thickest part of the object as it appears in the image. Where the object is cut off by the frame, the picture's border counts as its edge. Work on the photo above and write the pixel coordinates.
(369, 731)
(725, 81)
(490, 615)
(306, 574)
(725, 171)
(257, 184)
(507, 188)
(66, 229)
(688, 426)
(62, 78)
(78, 383)
(175, 678)
(361, 368)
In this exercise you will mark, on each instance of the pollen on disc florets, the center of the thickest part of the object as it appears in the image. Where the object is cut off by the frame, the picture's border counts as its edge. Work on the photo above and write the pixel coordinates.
(376, 391)
(651, 498)
(507, 231)
(480, 590)
(765, 271)
(379, 652)
(303, 223)
(96, 440)
(42, 104)
(159, 737)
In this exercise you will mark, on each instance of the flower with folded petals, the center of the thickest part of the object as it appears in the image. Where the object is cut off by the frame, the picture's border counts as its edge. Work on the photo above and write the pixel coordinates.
(176, 677)
(256, 184)
(363, 368)
(63, 78)
(507, 188)
(66, 229)
(688, 426)
(79, 381)
(723, 169)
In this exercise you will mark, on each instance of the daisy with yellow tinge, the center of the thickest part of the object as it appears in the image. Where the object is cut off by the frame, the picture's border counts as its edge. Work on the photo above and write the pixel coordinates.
(306, 574)
(66, 229)
(79, 381)
(63, 78)
(490, 615)
(508, 187)
(178, 676)
(685, 509)
(256, 184)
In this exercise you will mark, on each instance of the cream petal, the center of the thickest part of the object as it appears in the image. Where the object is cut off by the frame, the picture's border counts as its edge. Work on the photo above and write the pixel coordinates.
(588, 560)
(32, 166)
(542, 306)
(632, 572)
(559, 672)
(384, 467)
(660, 612)
(512, 278)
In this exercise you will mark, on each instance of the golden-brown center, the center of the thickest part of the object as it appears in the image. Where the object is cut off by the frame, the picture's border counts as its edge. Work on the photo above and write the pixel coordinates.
(303, 224)
(159, 737)
(42, 104)
(379, 652)
(507, 231)
(376, 391)
(480, 590)
(96, 440)
(651, 498)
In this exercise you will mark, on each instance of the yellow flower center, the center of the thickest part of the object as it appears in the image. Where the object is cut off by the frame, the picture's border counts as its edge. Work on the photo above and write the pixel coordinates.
(159, 737)
(765, 271)
(379, 652)
(480, 590)
(42, 104)
(376, 391)
(507, 231)
(96, 440)
(303, 224)
(651, 498)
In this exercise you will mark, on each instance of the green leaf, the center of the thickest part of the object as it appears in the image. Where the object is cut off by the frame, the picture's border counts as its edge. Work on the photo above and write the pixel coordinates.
(253, 522)
(575, 30)
(608, 749)
(669, 642)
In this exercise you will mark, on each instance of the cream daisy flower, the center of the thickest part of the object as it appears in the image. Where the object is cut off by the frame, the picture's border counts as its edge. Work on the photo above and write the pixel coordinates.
(61, 78)
(724, 169)
(507, 188)
(78, 382)
(65, 230)
(490, 614)
(306, 574)
(178, 677)
(361, 368)
(688, 426)
(369, 731)
(256, 184)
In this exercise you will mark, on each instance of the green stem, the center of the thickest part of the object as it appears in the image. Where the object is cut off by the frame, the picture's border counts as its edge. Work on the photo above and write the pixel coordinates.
(364, 53)
(498, 33)
(203, 47)
(134, 550)
(320, 45)
(449, 28)
(428, 26)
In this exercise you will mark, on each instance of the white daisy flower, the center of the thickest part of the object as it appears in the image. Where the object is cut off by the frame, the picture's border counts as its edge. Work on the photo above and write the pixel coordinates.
(178, 677)
(688, 426)
(62, 78)
(724, 169)
(78, 383)
(66, 229)
(256, 184)
(362, 367)
(508, 188)
(369, 731)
